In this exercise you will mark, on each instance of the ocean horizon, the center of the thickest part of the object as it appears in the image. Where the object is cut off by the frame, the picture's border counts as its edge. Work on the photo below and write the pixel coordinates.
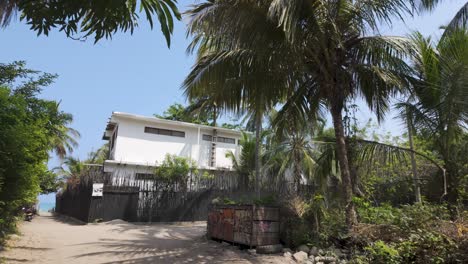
(45, 207)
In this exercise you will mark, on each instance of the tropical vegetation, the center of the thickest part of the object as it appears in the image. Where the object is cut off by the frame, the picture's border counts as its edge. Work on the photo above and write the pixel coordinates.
(31, 129)
(98, 19)
(296, 72)
(308, 59)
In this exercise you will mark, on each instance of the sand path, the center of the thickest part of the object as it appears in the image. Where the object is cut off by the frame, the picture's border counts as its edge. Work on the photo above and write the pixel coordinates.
(54, 240)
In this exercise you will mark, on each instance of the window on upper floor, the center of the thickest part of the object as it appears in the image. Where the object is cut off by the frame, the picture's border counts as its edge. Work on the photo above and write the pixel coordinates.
(165, 132)
(227, 140)
(207, 138)
(144, 176)
(219, 139)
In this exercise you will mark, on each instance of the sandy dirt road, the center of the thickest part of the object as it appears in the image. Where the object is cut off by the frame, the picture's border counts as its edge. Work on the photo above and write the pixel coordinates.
(55, 240)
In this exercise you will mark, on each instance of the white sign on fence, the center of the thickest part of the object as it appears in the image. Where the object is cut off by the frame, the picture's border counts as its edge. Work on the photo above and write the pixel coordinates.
(97, 189)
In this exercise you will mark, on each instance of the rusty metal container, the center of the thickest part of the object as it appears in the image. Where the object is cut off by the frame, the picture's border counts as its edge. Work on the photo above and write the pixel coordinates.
(249, 225)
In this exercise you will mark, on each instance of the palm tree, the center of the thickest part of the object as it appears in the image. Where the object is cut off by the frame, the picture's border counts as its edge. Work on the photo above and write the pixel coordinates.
(99, 156)
(71, 170)
(204, 106)
(244, 165)
(98, 18)
(63, 138)
(318, 52)
(241, 79)
(406, 115)
(460, 19)
(441, 93)
(292, 147)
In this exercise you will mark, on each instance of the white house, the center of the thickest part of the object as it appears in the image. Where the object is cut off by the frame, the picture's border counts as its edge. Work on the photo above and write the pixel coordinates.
(139, 143)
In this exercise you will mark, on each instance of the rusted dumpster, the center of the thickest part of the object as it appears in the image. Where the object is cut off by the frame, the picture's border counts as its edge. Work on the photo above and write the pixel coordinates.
(249, 225)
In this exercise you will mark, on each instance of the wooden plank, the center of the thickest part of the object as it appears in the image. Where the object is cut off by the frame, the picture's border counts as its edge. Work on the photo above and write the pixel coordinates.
(265, 239)
(266, 213)
(265, 227)
(243, 221)
(242, 238)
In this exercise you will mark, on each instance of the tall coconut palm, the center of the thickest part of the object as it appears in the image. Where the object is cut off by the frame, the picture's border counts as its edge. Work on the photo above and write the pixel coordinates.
(292, 146)
(241, 76)
(71, 170)
(320, 52)
(244, 164)
(204, 106)
(441, 111)
(406, 114)
(63, 138)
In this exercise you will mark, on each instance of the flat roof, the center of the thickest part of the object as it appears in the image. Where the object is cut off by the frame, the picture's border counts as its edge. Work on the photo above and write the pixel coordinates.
(165, 121)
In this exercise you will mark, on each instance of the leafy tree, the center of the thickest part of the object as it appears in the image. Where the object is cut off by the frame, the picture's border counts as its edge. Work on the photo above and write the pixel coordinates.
(320, 54)
(439, 111)
(293, 148)
(175, 169)
(100, 155)
(63, 138)
(71, 168)
(241, 78)
(27, 134)
(178, 112)
(49, 182)
(244, 164)
(205, 108)
(90, 18)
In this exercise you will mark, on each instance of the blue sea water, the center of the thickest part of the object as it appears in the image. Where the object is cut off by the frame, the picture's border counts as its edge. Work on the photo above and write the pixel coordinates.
(46, 202)
(45, 207)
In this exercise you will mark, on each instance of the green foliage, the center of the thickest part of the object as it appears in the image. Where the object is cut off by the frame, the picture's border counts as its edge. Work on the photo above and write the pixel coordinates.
(379, 252)
(31, 128)
(245, 163)
(427, 247)
(100, 155)
(417, 233)
(91, 18)
(200, 111)
(175, 169)
(383, 214)
(49, 182)
(206, 175)
(177, 112)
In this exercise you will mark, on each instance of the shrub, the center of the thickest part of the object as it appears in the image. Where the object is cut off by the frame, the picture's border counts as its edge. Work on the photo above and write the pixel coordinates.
(427, 247)
(379, 252)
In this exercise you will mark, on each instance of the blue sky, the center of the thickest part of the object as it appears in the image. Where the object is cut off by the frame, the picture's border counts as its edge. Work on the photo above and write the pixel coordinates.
(137, 73)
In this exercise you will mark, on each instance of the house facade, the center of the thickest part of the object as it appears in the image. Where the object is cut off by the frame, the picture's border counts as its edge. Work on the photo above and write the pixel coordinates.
(138, 144)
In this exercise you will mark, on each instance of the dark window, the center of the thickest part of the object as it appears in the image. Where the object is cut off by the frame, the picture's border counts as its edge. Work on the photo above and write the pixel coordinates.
(220, 139)
(227, 140)
(165, 132)
(207, 137)
(144, 176)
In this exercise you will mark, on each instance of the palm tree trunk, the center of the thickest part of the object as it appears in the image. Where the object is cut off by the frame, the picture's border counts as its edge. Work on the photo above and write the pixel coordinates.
(258, 131)
(342, 155)
(452, 177)
(297, 172)
(417, 188)
(215, 115)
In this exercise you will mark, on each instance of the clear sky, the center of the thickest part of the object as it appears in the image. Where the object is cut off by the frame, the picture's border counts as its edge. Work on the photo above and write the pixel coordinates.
(137, 73)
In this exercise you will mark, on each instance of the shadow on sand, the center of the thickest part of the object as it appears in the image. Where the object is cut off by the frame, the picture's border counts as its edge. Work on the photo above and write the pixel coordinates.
(166, 244)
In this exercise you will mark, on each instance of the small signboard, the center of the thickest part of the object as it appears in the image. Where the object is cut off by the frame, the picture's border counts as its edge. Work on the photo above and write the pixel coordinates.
(97, 189)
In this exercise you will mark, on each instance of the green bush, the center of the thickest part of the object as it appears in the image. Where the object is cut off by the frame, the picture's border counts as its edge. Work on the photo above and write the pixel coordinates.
(418, 236)
(379, 252)
(427, 247)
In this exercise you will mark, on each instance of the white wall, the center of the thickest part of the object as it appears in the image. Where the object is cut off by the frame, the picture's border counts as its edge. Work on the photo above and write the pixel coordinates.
(134, 145)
